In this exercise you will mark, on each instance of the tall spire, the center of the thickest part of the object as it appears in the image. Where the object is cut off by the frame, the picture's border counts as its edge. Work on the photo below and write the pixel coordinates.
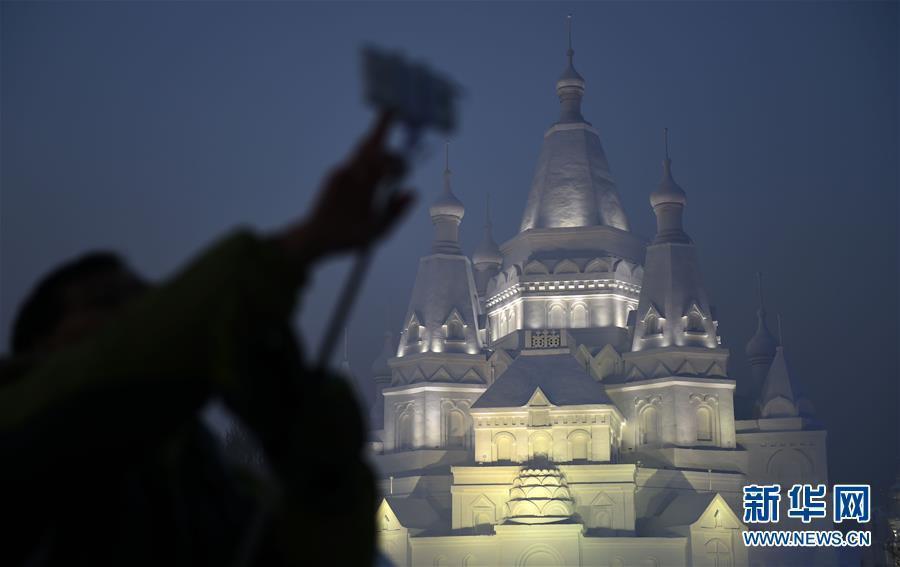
(674, 310)
(778, 396)
(570, 86)
(761, 347)
(446, 214)
(666, 141)
(780, 330)
(668, 203)
(487, 253)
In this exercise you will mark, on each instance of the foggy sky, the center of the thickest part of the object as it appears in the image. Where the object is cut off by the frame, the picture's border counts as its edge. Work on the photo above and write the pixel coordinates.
(152, 128)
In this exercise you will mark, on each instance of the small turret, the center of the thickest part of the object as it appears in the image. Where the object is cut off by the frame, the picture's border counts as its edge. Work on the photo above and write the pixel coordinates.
(668, 203)
(761, 347)
(674, 310)
(570, 86)
(443, 310)
(487, 254)
(487, 257)
(446, 214)
(779, 396)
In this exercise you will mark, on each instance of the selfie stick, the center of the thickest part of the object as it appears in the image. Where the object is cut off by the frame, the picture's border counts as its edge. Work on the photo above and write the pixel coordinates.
(363, 258)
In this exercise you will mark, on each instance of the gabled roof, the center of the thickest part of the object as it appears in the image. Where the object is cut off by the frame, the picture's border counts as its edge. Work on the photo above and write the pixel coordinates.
(688, 509)
(685, 509)
(411, 513)
(562, 380)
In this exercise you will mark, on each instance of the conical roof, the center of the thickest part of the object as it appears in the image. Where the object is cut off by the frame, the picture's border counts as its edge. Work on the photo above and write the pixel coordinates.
(446, 203)
(668, 191)
(487, 251)
(777, 399)
(762, 344)
(572, 184)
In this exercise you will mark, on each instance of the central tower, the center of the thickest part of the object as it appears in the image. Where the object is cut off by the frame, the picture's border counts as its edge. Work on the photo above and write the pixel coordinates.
(574, 263)
(572, 184)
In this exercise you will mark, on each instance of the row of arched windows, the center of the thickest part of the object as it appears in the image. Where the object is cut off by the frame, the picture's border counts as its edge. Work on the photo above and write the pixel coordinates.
(577, 316)
(540, 445)
(455, 427)
(649, 434)
(693, 322)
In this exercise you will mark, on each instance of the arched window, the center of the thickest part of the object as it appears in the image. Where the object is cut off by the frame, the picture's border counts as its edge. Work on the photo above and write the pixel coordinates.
(694, 323)
(456, 428)
(652, 325)
(482, 522)
(578, 445)
(505, 444)
(718, 554)
(649, 425)
(540, 446)
(556, 318)
(704, 424)
(455, 330)
(405, 431)
(412, 332)
(579, 316)
(789, 466)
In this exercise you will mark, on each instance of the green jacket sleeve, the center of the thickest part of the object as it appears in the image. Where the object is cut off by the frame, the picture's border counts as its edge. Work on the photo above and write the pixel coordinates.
(220, 327)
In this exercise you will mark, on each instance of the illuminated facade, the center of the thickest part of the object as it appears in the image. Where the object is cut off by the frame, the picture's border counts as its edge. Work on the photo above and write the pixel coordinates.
(564, 399)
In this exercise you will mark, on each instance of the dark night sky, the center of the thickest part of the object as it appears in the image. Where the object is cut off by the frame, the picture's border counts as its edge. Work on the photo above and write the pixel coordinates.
(151, 128)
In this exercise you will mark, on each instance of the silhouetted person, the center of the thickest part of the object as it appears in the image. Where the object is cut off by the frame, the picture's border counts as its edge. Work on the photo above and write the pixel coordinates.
(104, 458)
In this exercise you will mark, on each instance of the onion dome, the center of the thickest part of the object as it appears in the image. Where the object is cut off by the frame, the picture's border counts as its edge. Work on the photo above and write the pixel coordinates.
(762, 343)
(570, 86)
(446, 204)
(668, 190)
(539, 496)
(668, 203)
(446, 213)
(487, 251)
(761, 346)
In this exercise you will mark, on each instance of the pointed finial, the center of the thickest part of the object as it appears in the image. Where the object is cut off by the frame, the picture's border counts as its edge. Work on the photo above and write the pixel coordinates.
(447, 156)
(666, 141)
(759, 292)
(780, 331)
(570, 52)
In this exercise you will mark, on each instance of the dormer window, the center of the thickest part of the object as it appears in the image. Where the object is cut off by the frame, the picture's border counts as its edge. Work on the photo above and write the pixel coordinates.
(653, 323)
(454, 328)
(413, 331)
(694, 321)
(455, 331)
